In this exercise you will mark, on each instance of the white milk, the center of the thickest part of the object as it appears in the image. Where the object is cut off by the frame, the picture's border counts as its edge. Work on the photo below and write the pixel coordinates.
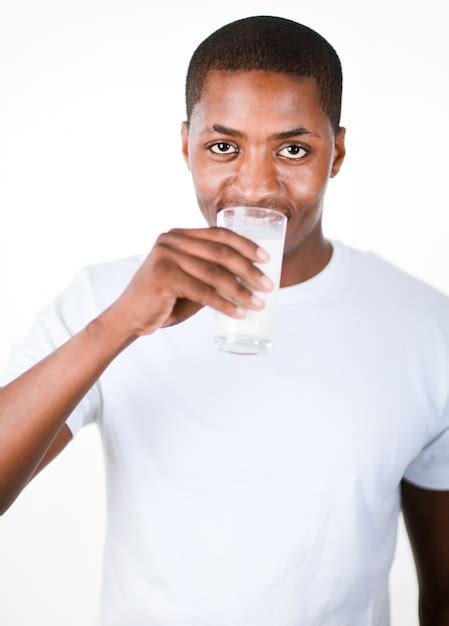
(252, 334)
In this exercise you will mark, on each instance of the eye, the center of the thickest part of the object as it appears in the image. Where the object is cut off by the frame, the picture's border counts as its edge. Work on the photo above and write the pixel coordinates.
(222, 147)
(293, 152)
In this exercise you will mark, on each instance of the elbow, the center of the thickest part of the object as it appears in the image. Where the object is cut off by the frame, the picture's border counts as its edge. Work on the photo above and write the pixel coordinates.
(6, 502)
(4, 507)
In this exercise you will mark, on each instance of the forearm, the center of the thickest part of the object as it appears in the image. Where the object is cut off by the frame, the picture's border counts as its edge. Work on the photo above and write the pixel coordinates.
(34, 406)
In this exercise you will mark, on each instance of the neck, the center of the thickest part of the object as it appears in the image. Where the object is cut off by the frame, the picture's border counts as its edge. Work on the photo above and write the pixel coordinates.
(306, 260)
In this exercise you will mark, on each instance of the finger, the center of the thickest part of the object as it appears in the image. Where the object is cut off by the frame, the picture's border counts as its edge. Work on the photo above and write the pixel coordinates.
(215, 276)
(218, 253)
(245, 246)
(189, 287)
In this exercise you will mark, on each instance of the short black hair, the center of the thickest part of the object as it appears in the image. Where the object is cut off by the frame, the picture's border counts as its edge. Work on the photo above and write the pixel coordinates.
(273, 44)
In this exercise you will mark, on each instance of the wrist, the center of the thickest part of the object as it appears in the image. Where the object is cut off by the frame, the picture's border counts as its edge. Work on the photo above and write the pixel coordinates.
(112, 326)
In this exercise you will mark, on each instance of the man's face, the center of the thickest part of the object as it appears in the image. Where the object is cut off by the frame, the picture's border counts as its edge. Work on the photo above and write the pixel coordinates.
(261, 138)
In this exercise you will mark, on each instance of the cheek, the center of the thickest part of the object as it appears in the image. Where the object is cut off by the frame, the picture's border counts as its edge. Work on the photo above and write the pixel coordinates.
(207, 175)
(308, 183)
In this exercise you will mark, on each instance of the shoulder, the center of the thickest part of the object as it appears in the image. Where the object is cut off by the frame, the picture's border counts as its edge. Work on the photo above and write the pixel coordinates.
(110, 270)
(106, 280)
(381, 281)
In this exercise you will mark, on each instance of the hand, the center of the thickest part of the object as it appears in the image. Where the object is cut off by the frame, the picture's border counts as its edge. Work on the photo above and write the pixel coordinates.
(184, 272)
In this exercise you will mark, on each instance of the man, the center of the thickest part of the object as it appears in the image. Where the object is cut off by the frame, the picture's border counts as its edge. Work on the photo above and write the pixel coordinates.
(249, 491)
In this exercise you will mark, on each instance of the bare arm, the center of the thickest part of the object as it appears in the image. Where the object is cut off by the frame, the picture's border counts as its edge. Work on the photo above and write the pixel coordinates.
(426, 517)
(34, 406)
(63, 437)
(185, 270)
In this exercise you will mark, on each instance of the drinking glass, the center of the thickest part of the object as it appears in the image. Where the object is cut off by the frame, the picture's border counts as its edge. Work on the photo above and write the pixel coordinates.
(253, 333)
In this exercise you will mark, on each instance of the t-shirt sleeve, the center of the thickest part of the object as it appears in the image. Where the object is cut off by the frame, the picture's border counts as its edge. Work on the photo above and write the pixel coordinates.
(430, 469)
(69, 312)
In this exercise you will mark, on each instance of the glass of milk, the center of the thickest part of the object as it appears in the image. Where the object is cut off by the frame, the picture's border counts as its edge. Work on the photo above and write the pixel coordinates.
(253, 333)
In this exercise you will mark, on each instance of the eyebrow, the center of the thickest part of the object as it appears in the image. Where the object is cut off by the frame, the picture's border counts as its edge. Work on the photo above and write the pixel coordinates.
(232, 132)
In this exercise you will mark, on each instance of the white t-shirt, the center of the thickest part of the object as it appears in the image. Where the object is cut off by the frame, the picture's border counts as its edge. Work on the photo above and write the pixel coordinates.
(263, 490)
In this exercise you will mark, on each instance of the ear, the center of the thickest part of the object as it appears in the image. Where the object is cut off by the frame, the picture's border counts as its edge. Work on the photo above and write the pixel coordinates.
(185, 142)
(339, 151)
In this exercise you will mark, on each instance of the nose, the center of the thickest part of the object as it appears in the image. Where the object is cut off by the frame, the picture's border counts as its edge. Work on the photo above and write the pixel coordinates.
(256, 179)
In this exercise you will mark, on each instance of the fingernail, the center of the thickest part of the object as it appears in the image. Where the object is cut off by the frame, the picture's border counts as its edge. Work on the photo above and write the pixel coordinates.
(257, 301)
(262, 255)
(266, 282)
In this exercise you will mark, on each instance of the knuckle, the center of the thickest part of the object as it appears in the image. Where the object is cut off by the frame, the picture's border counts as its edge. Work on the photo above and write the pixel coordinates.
(219, 232)
(166, 235)
(212, 269)
(161, 237)
(205, 293)
(220, 250)
(162, 265)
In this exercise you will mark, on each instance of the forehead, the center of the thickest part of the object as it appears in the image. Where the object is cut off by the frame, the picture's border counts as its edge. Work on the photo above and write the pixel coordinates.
(260, 97)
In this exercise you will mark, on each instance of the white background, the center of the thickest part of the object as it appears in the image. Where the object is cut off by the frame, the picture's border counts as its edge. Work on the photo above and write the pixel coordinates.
(92, 98)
